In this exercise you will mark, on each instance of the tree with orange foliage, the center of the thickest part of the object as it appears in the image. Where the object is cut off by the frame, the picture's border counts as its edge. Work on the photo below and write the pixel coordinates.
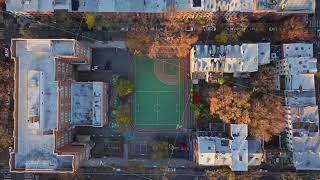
(264, 115)
(267, 117)
(230, 106)
(171, 41)
(293, 29)
(239, 21)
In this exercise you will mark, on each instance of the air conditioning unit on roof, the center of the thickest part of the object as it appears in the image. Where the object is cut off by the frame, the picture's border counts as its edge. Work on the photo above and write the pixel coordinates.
(26, 2)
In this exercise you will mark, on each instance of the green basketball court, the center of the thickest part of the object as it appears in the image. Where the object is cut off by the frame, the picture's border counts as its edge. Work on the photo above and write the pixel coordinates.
(158, 94)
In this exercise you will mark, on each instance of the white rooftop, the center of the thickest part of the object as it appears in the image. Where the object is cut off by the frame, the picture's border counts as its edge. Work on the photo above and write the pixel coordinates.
(287, 6)
(296, 6)
(37, 5)
(229, 59)
(154, 6)
(298, 50)
(157, 6)
(300, 82)
(263, 53)
(86, 103)
(299, 65)
(217, 151)
(305, 137)
(239, 145)
(36, 119)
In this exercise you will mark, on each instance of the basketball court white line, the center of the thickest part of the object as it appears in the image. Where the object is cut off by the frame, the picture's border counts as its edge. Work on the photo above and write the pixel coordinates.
(156, 91)
(156, 124)
(157, 110)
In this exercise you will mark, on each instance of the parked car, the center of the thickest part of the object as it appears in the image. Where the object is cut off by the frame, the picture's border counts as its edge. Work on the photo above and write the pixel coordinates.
(94, 68)
(125, 29)
(189, 29)
(272, 29)
(171, 169)
(211, 28)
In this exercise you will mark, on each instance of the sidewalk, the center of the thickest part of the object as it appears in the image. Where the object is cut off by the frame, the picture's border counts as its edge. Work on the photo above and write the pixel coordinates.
(120, 162)
(108, 44)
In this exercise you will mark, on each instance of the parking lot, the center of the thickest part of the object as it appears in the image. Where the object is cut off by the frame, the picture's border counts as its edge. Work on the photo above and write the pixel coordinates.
(107, 62)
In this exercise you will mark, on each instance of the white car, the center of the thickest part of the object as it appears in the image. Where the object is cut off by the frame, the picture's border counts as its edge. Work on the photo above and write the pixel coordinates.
(94, 68)
(171, 169)
(124, 29)
(272, 29)
(211, 28)
(189, 29)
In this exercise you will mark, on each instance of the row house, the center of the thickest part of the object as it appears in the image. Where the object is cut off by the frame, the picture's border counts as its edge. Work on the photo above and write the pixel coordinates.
(161, 6)
(295, 80)
(233, 150)
(235, 59)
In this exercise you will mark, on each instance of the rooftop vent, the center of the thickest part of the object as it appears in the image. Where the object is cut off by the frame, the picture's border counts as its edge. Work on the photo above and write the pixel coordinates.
(26, 2)
(196, 3)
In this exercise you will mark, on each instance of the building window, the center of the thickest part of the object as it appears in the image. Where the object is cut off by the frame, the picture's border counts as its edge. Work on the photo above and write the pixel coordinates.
(62, 91)
(62, 67)
(58, 66)
(61, 116)
(66, 117)
(66, 93)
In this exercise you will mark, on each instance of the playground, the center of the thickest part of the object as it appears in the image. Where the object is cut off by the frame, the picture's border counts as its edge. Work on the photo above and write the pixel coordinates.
(157, 101)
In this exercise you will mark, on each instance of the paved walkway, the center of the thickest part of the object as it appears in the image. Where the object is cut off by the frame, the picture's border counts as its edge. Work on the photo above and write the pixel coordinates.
(120, 162)
(108, 44)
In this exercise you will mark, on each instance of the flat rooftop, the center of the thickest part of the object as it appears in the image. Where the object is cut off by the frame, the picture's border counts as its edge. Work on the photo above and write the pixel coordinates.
(154, 6)
(37, 5)
(37, 108)
(229, 58)
(305, 139)
(300, 65)
(304, 98)
(286, 6)
(86, 103)
(298, 50)
(218, 151)
(300, 82)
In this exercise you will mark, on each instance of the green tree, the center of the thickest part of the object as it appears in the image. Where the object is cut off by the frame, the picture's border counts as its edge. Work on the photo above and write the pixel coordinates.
(222, 37)
(201, 112)
(123, 117)
(90, 20)
(318, 71)
(222, 173)
(220, 81)
(124, 87)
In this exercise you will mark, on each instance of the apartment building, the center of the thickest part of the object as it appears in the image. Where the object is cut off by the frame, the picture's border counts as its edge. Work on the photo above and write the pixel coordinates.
(233, 150)
(161, 6)
(245, 58)
(43, 116)
(295, 79)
